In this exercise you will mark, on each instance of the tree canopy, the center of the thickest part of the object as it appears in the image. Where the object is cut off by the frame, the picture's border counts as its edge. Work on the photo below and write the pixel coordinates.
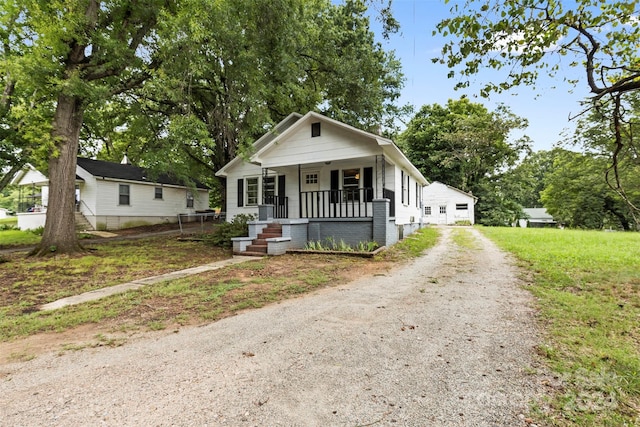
(180, 86)
(529, 37)
(463, 144)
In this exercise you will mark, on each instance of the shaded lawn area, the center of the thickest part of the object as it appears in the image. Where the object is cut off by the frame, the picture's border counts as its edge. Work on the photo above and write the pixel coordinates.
(27, 283)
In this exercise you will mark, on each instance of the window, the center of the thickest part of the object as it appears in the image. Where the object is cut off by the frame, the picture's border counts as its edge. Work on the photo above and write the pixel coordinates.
(252, 191)
(427, 210)
(462, 206)
(315, 129)
(351, 184)
(269, 188)
(123, 193)
(443, 209)
(158, 193)
(417, 193)
(404, 179)
(189, 199)
(311, 178)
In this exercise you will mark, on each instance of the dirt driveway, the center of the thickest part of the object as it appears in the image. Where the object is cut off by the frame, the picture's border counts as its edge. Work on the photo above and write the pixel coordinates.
(444, 341)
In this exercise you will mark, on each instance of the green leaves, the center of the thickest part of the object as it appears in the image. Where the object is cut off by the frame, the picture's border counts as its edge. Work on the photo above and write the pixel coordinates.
(464, 145)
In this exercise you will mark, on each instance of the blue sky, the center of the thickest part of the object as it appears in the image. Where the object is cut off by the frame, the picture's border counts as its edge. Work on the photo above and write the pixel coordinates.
(547, 108)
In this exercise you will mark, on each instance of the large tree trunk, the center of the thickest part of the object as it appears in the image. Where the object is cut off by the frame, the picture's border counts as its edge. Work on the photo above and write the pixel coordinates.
(59, 230)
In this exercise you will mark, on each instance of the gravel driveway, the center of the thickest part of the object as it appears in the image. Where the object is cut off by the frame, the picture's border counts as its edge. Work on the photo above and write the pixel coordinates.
(446, 340)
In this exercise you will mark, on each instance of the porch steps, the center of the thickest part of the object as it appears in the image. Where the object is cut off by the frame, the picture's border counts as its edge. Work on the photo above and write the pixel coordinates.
(82, 224)
(258, 246)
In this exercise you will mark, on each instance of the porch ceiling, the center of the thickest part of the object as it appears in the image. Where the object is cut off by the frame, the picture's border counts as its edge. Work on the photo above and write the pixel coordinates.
(318, 163)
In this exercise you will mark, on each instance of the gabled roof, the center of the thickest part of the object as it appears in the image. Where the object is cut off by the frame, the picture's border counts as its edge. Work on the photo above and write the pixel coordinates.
(457, 190)
(265, 139)
(538, 214)
(127, 172)
(37, 178)
(292, 122)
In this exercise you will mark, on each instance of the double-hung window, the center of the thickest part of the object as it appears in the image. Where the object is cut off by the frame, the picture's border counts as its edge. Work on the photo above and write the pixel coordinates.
(252, 191)
(189, 199)
(124, 194)
(158, 193)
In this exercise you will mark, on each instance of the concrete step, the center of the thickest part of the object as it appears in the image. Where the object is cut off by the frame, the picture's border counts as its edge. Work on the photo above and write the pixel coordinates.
(268, 235)
(257, 248)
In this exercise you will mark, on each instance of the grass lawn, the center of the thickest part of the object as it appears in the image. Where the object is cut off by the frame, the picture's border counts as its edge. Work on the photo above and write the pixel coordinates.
(588, 287)
(26, 283)
(10, 238)
(11, 220)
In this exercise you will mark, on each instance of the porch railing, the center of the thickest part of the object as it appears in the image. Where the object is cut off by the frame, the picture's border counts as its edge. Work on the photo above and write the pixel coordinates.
(281, 205)
(356, 203)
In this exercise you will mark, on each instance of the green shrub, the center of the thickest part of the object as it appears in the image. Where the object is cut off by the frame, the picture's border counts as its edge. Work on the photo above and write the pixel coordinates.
(6, 227)
(37, 231)
(238, 227)
(332, 245)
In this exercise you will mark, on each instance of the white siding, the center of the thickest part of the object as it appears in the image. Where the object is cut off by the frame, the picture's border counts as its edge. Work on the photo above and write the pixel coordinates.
(32, 176)
(142, 201)
(88, 194)
(406, 212)
(332, 144)
(437, 194)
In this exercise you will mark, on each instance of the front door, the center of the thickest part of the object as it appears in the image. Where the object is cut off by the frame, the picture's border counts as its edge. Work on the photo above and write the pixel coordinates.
(442, 219)
(310, 197)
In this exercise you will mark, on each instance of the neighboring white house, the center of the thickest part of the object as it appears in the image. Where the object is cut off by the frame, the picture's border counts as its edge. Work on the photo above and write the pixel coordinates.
(113, 196)
(330, 177)
(536, 218)
(4, 213)
(444, 204)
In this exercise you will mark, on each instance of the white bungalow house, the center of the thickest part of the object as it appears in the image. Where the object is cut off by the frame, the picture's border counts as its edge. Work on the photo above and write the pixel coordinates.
(111, 196)
(536, 218)
(447, 205)
(319, 178)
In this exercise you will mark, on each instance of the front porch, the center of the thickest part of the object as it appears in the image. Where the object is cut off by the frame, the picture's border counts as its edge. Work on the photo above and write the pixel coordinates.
(338, 189)
(378, 227)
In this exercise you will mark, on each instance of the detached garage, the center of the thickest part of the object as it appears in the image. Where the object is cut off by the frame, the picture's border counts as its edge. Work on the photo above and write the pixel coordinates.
(447, 205)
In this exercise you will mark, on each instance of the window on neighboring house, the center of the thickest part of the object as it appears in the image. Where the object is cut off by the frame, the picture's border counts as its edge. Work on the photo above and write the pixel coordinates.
(462, 206)
(124, 194)
(315, 129)
(252, 191)
(443, 209)
(351, 184)
(427, 210)
(189, 199)
(158, 193)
